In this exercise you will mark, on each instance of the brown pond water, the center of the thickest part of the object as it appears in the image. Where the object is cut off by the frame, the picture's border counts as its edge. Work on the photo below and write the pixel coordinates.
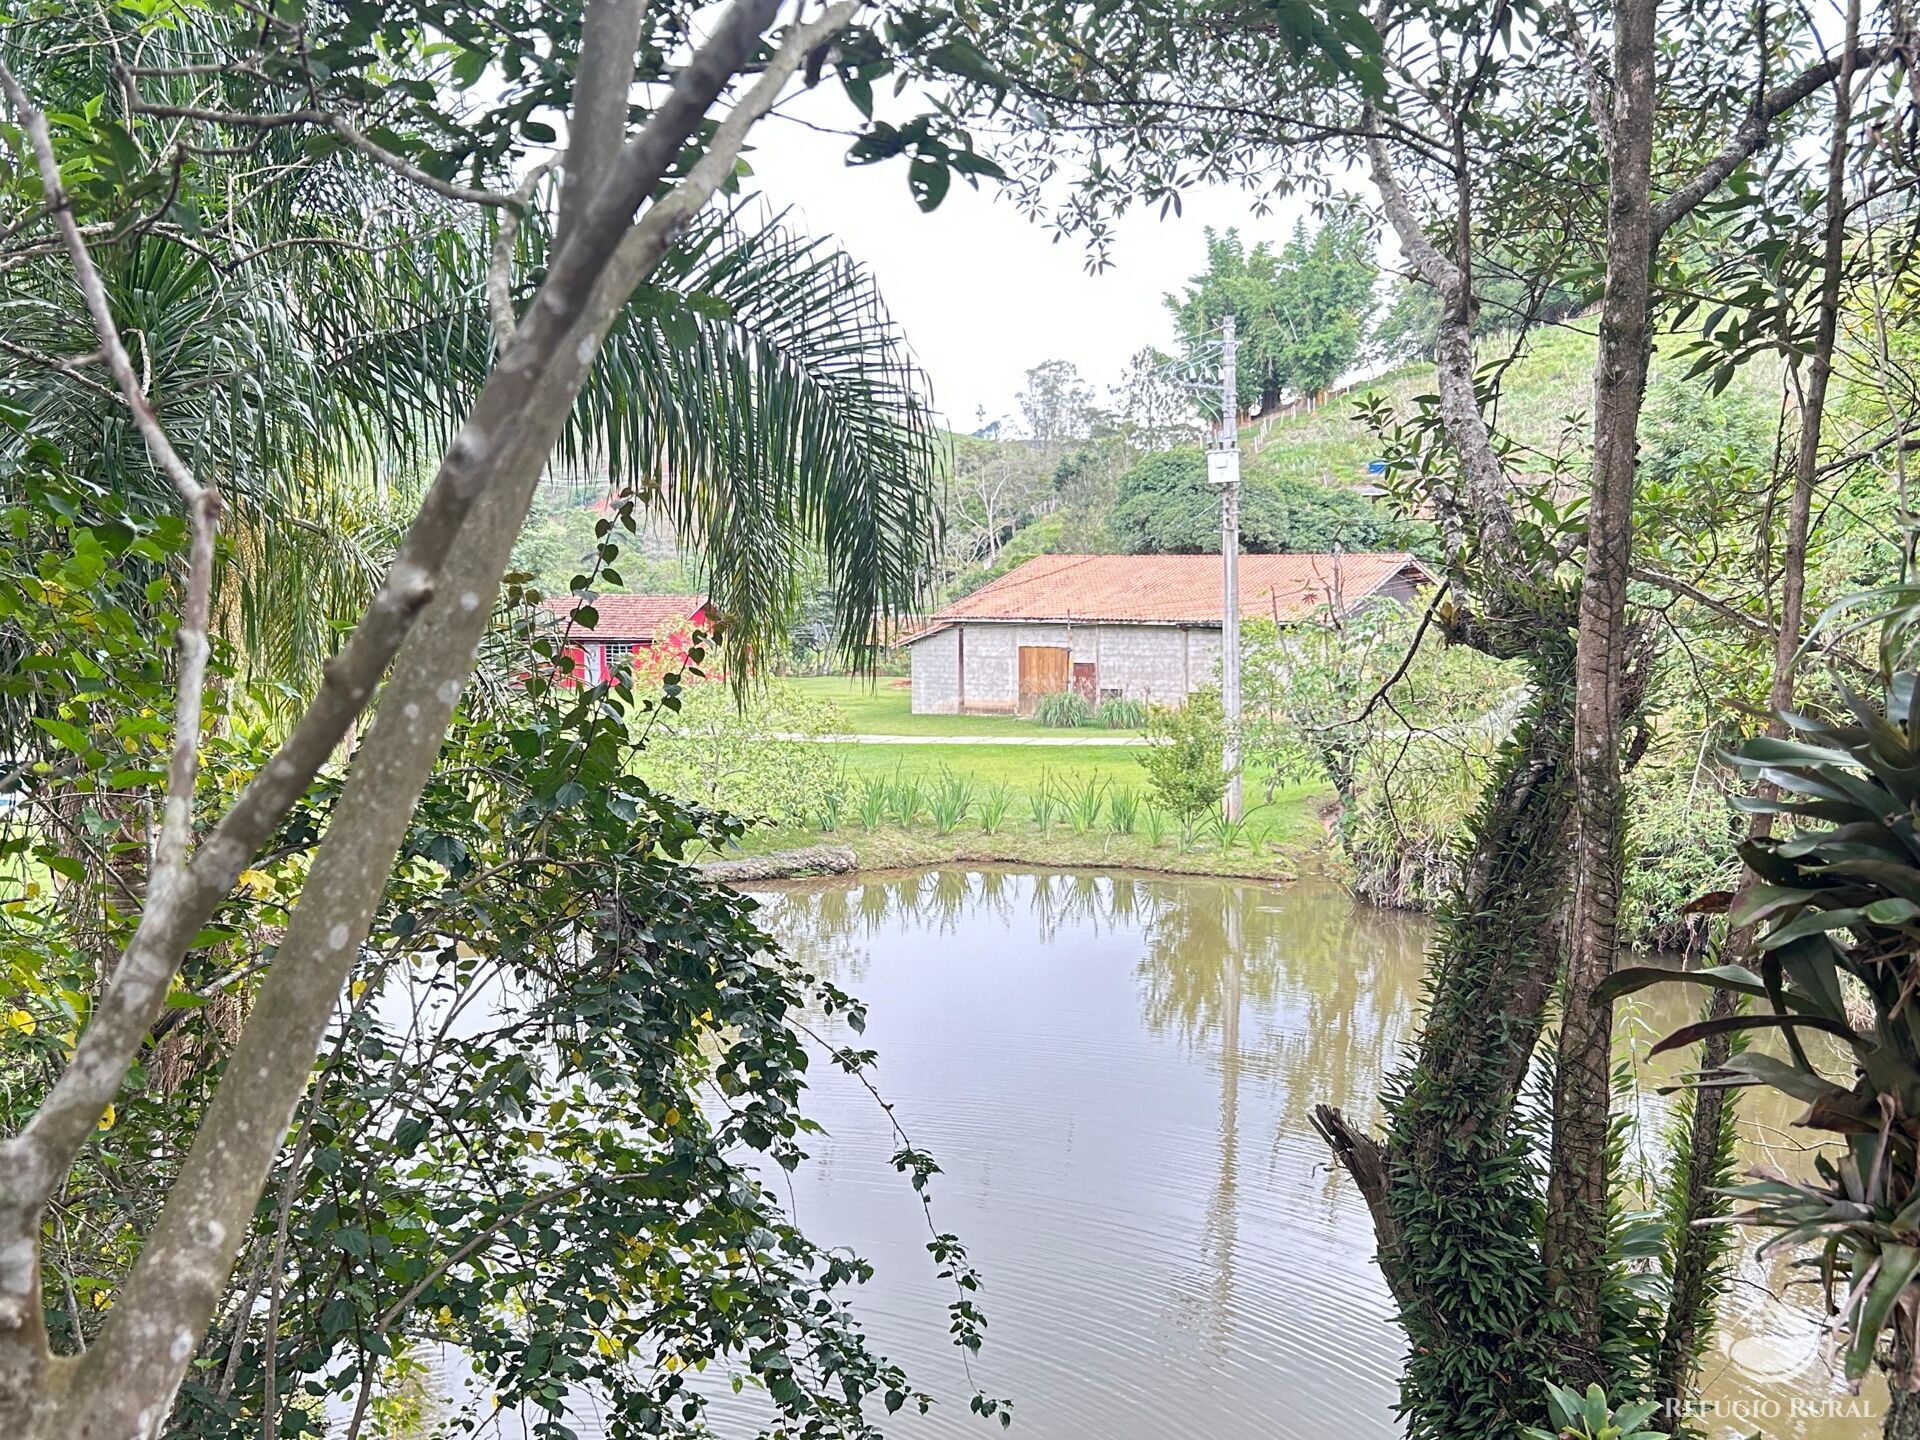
(1114, 1074)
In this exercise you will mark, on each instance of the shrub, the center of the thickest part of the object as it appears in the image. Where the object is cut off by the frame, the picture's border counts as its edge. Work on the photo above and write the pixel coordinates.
(1042, 803)
(1183, 763)
(1686, 844)
(1410, 815)
(1064, 710)
(715, 750)
(1121, 713)
(874, 795)
(903, 801)
(1084, 803)
(1227, 834)
(1155, 824)
(949, 802)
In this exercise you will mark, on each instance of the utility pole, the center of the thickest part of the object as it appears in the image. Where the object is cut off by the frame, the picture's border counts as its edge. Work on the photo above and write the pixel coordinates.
(1223, 470)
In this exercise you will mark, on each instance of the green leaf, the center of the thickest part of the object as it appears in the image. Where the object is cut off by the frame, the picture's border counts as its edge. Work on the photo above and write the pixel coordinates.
(928, 179)
(1635, 978)
(72, 737)
(1810, 922)
(1897, 1267)
(337, 1316)
(1727, 1024)
(1789, 1079)
(1894, 911)
(1763, 900)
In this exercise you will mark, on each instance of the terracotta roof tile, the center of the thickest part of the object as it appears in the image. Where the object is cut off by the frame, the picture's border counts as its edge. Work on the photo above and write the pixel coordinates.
(1174, 589)
(632, 617)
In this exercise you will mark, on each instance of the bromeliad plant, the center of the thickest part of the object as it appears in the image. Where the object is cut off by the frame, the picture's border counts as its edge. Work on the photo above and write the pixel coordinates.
(1590, 1417)
(1838, 912)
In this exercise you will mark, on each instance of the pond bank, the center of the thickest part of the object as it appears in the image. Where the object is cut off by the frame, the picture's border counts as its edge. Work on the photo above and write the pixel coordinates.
(808, 860)
(888, 848)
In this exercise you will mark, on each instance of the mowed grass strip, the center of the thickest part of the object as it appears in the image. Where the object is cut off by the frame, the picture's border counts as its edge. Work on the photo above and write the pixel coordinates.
(884, 706)
(1020, 766)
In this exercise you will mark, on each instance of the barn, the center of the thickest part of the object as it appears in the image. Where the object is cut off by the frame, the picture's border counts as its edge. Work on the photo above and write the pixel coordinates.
(626, 624)
(1142, 626)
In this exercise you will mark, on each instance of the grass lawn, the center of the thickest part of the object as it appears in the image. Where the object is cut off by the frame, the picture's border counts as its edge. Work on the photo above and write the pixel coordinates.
(1021, 766)
(883, 706)
(1276, 838)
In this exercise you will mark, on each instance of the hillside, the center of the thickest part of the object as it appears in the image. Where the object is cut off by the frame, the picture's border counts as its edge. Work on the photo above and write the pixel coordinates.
(1551, 381)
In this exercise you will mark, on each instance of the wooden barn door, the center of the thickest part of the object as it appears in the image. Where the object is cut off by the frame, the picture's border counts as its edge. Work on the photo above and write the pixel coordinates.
(1043, 671)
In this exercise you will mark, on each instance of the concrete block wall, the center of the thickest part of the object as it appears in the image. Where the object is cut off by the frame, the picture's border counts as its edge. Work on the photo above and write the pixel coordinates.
(1142, 662)
(1160, 664)
(1203, 660)
(936, 673)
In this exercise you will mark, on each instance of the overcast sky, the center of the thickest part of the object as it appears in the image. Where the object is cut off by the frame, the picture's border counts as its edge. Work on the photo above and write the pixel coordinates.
(982, 292)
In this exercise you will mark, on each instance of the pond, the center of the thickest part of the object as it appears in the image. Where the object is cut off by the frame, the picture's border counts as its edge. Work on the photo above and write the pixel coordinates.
(1114, 1073)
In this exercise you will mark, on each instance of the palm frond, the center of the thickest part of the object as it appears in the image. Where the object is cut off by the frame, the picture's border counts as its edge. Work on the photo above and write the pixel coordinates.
(758, 393)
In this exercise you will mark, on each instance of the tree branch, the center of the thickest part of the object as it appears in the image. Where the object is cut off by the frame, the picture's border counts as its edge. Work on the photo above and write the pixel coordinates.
(1752, 624)
(203, 502)
(1753, 131)
(1487, 493)
(1438, 271)
(500, 261)
(1406, 660)
(609, 35)
(323, 119)
(1589, 77)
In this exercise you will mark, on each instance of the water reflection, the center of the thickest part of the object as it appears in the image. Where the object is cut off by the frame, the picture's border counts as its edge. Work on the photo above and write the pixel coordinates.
(1115, 1073)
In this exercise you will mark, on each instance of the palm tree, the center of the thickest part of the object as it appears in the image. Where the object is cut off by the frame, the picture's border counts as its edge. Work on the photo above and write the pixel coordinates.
(754, 392)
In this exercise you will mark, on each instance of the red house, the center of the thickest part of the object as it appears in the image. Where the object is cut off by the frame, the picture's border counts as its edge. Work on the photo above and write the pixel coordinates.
(657, 626)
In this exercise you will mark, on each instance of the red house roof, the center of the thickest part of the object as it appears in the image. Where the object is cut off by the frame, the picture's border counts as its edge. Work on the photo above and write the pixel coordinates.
(1177, 589)
(632, 618)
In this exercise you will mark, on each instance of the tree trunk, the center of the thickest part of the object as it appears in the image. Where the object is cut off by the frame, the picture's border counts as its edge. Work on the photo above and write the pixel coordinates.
(1575, 1241)
(1902, 1421)
(1451, 1197)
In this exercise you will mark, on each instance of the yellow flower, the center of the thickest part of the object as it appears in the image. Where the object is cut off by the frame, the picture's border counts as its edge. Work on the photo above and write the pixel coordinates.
(106, 1120)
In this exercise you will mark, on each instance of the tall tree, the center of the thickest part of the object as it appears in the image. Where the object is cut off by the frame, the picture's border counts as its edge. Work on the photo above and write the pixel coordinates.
(1300, 313)
(1152, 410)
(1056, 406)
